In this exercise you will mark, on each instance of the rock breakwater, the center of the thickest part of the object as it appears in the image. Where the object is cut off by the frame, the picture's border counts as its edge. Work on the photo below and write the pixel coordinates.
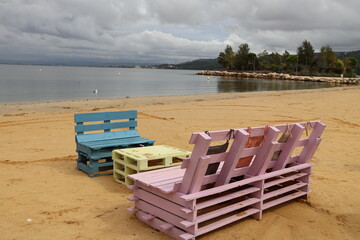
(281, 76)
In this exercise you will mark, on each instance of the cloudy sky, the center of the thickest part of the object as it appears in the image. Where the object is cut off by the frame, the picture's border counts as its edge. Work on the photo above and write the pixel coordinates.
(168, 31)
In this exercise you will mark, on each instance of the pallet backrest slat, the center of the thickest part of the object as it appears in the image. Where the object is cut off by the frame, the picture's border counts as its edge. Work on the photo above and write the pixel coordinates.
(105, 125)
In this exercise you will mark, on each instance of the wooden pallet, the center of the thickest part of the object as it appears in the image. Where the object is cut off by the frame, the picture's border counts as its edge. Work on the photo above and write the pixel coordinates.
(184, 202)
(136, 160)
(98, 134)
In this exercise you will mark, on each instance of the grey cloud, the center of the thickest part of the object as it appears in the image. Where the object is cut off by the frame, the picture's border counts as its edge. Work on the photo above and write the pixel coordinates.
(167, 30)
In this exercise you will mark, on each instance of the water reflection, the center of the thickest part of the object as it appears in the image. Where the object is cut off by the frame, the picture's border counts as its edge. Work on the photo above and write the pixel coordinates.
(248, 85)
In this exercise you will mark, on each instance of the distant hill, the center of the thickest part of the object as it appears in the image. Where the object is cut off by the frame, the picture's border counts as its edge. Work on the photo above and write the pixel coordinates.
(199, 64)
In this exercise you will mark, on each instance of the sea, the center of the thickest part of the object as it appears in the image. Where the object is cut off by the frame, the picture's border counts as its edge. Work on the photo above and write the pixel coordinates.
(29, 83)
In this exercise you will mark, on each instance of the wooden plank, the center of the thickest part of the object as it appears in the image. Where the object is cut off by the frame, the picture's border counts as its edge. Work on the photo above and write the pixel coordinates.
(107, 136)
(283, 199)
(162, 203)
(225, 221)
(101, 116)
(202, 144)
(289, 147)
(226, 173)
(168, 217)
(264, 155)
(227, 197)
(283, 190)
(220, 189)
(227, 209)
(103, 126)
(158, 223)
(312, 144)
(158, 175)
(284, 179)
(199, 174)
(175, 197)
(120, 142)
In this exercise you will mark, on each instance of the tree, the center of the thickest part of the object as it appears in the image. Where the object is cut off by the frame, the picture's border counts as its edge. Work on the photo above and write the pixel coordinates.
(349, 65)
(242, 56)
(292, 61)
(305, 53)
(252, 61)
(263, 59)
(275, 62)
(227, 58)
(284, 65)
(339, 67)
(327, 58)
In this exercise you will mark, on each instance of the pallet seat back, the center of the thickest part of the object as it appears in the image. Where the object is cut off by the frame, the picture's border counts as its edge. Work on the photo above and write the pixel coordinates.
(195, 178)
(88, 123)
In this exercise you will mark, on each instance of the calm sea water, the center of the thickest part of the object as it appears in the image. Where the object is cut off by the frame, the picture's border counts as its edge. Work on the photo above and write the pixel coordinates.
(20, 83)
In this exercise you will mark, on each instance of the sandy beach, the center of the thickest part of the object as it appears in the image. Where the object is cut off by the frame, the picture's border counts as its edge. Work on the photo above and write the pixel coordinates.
(43, 196)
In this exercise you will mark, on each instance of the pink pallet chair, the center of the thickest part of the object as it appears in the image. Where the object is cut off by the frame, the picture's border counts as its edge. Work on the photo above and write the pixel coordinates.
(185, 202)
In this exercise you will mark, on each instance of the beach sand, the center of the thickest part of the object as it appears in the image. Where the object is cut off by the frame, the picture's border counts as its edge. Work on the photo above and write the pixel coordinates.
(43, 196)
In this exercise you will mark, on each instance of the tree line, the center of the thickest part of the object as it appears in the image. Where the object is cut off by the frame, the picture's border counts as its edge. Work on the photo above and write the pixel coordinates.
(304, 62)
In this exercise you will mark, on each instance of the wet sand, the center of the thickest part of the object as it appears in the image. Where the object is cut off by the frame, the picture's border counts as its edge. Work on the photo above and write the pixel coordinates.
(43, 196)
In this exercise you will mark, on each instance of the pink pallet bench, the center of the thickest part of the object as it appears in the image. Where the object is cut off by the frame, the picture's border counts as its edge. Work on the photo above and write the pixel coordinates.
(185, 202)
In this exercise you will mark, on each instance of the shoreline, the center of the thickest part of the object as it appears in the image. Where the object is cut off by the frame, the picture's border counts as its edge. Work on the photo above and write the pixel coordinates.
(281, 76)
(103, 103)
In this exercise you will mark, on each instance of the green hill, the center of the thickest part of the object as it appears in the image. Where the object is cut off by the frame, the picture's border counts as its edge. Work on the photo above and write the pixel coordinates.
(199, 64)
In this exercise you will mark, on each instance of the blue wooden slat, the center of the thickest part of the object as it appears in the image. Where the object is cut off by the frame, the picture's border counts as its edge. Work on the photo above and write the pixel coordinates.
(101, 116)
(117, 142)
(102, 126)
(106, 136)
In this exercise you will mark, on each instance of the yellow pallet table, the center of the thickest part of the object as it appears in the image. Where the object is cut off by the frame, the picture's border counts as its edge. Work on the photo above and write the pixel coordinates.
(134, 160)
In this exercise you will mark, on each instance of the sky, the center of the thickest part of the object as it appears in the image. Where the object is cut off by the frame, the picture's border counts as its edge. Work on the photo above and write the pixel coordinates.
(168, 31)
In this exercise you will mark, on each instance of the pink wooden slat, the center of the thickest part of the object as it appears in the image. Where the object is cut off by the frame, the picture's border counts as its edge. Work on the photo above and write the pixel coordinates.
(167, 181)
(227, 209)
(283, 190)
(145, 175)
(169, 188)
(297, 167)
(226, 173)
(215, 136)
(175, 197)
(150, 179)
(157, 223)
(227, 197)
(214, 158)
(283, 199)
(166, 226)
(162, 203)
(202, 143)
(264, 156)
(168, 217)
(199, 174)
(284, 179)
(313, 143)
(185, 163)
(147, 217)
(223, 188)
(132, 209)
(225, 221)
(289, 147)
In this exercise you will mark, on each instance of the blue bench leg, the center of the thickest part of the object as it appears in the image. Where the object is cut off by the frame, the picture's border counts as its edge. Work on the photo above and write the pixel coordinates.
(94, 168)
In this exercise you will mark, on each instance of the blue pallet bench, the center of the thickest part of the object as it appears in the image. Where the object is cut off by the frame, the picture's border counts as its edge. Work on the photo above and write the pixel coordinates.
(98, 134)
